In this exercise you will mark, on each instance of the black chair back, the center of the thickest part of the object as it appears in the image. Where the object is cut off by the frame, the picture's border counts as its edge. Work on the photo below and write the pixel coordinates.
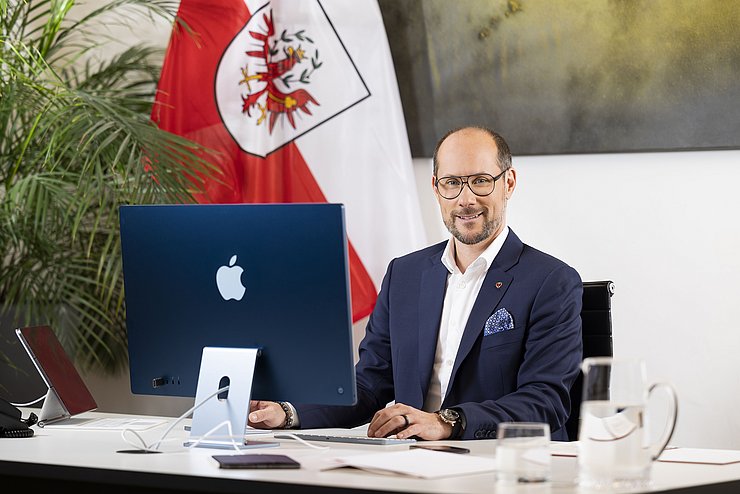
(596, 318)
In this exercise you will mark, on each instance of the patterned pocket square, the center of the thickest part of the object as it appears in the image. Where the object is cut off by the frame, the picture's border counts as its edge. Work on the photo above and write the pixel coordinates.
(500, 321)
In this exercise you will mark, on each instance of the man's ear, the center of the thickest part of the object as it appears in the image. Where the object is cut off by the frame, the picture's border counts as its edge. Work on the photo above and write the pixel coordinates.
(510, 182)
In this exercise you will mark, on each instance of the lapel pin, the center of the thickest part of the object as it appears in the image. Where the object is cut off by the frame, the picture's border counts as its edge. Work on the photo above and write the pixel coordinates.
(499, 284)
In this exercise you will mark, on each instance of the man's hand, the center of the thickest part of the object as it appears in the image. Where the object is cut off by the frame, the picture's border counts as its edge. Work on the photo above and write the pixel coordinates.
(266, 415)
(405, 421)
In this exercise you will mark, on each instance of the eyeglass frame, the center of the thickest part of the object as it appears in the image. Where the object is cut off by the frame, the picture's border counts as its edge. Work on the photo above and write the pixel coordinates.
(465, 182)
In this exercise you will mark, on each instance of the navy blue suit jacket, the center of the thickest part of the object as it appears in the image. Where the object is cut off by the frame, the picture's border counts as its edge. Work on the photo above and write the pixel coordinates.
(522, 374)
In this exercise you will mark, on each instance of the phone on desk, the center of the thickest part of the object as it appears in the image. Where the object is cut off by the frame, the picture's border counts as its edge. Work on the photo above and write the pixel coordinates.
(256, 461)
(11, 424)
(441, 447)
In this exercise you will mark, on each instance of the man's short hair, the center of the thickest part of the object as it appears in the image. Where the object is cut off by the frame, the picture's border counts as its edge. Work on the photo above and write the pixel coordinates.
(504, 155)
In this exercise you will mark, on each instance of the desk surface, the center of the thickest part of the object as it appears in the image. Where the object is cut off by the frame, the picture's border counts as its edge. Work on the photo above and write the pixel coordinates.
(87, 461)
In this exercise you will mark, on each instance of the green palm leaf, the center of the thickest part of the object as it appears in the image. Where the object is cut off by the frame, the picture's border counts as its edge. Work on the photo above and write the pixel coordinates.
(76, 142)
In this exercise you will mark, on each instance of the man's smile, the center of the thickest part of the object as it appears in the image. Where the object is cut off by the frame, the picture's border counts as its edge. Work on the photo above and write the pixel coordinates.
(468, 217)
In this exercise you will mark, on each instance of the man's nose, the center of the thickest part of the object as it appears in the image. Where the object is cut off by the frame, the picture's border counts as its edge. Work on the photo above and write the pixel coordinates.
(466, 194)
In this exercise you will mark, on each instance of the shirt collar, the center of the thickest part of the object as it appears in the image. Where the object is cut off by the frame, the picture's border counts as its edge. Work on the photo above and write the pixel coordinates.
(485, 259)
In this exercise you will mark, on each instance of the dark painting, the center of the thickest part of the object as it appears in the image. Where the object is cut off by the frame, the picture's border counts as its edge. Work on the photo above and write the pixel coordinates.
(566, 76)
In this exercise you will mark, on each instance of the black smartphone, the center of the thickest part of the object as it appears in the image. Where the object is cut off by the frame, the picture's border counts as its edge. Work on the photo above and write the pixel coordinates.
(256, 461)
(441, 447)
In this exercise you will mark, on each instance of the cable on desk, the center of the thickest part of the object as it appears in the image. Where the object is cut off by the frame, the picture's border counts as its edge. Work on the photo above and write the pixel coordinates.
(154, 447)
(214, 429)
(302, 441)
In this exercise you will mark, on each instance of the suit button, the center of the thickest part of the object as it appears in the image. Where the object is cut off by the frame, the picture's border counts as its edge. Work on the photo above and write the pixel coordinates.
(479, 434)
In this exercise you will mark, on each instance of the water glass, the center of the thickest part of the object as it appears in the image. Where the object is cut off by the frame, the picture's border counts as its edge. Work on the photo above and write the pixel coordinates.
(523, 452)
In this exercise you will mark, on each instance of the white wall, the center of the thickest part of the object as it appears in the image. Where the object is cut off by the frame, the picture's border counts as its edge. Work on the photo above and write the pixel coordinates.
(662, 226)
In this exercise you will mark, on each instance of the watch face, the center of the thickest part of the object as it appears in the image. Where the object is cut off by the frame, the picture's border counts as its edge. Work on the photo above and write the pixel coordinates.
(449, 415)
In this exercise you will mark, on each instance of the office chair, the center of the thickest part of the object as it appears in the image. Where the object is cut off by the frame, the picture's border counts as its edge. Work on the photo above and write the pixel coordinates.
(596, 318)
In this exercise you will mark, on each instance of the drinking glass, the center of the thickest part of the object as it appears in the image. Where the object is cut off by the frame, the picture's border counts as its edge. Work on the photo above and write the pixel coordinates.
(613, 439)
(523, 452)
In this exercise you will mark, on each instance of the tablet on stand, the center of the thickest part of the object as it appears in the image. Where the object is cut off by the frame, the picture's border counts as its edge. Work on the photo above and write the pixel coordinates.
(68, 395)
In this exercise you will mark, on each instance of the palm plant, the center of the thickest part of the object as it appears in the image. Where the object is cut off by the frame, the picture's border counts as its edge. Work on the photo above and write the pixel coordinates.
(76, 142)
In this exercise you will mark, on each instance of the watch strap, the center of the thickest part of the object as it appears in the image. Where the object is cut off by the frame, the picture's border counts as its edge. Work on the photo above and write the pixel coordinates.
(459, 429)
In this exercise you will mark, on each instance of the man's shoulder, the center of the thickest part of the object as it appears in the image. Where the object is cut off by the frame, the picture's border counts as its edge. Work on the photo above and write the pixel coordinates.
(517, 254)
(522, 256)
(426, 253)
(542, 265)
(534, 254)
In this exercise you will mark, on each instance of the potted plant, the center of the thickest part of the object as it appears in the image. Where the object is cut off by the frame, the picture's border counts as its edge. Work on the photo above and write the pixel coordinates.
(76, 142)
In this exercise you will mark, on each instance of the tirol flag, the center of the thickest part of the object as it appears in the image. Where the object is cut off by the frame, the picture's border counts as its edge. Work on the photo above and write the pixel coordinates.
(300, 99)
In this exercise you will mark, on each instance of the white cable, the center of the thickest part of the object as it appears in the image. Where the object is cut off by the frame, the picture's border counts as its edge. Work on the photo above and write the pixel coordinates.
(302, 441)
(230, 435)
(30, 402)
(155, 446)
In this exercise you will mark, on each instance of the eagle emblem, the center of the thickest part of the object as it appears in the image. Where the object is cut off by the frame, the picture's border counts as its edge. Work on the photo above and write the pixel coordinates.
(270, 74)
(270, 85)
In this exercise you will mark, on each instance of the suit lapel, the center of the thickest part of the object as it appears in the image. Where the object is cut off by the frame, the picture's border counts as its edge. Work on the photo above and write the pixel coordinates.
(495, 285)
(431, 299)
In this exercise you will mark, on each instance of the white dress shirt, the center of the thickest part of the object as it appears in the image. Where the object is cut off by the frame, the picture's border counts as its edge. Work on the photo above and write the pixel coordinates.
(460, 295)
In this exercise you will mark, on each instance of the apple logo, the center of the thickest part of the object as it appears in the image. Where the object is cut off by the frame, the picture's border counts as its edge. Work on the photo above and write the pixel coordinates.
(229, 280)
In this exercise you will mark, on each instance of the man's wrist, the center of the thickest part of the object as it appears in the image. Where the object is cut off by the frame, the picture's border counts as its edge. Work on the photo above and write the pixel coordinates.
(289, 415)
(455, 418)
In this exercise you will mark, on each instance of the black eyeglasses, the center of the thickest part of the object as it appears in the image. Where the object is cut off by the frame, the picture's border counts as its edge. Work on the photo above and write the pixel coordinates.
(480, 184)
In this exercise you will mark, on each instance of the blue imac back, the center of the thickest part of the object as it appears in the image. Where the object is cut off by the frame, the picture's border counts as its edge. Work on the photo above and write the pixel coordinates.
(267, 276)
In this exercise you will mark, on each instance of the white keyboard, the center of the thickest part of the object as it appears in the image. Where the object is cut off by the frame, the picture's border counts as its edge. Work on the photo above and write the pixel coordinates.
(342, 439)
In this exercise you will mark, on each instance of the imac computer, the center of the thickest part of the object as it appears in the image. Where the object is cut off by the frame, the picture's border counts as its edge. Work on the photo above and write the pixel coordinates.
(270, 277)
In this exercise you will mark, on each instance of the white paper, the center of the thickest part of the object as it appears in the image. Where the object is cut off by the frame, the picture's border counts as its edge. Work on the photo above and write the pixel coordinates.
(416, 463)
(111, 424)
(671, 454)
(696, 455)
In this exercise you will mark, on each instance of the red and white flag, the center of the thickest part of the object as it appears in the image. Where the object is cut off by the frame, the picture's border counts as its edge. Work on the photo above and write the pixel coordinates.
(300, 99)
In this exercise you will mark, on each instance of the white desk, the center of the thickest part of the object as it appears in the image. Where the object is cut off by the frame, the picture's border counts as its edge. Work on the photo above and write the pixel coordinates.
(86, 461)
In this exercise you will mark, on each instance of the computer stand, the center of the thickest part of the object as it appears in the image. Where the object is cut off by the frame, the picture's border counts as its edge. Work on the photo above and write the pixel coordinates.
(233, 369)
(53, 409)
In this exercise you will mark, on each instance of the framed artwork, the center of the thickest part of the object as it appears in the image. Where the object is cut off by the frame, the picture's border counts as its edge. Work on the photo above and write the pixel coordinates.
(564, 76)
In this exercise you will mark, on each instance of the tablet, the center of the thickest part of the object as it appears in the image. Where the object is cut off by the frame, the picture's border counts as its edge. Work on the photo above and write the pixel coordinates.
(68, 394)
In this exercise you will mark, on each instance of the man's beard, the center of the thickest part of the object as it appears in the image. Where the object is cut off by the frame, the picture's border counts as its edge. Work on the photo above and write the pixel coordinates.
(490, 225)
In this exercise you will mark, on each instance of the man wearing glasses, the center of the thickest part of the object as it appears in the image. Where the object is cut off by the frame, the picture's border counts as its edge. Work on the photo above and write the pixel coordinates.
(474, 331)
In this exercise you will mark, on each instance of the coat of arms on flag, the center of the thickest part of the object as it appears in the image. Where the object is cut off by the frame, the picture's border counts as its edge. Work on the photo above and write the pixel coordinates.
(299, 101)
(284, 73)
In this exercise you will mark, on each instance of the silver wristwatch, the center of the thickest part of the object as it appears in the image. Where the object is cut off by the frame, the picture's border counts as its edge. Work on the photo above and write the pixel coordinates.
(448, 416)
(455, 418)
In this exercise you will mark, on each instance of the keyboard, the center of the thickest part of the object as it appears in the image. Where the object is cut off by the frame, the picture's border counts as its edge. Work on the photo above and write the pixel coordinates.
(343, 439)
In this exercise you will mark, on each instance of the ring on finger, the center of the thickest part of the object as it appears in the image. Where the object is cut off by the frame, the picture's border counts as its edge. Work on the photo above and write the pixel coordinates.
(406, 421)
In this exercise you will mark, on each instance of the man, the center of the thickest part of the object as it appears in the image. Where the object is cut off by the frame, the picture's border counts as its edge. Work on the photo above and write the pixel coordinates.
(468, 333)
